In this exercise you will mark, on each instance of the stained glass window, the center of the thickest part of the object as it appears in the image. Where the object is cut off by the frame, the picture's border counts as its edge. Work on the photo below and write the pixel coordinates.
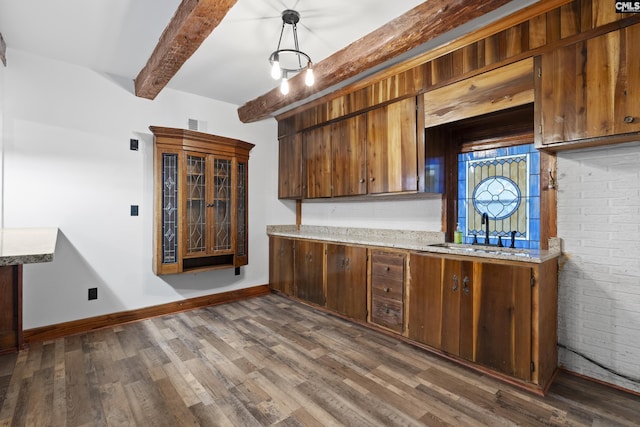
(503, 183)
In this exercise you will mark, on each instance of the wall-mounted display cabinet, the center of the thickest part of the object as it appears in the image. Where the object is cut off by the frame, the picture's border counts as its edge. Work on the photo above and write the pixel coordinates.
(200, 201)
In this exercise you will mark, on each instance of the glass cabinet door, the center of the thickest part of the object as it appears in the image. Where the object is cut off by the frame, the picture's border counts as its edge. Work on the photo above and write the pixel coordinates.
(241, 210)
(195, 213)
(222, 231)
(169, 214)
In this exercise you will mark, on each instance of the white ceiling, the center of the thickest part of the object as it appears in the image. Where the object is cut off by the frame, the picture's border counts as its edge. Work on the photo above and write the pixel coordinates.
(117, 37)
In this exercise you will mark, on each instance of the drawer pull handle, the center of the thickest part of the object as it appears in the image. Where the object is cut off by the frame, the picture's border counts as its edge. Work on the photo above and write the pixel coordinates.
(629, 119)
(465, 285)
(455, 283)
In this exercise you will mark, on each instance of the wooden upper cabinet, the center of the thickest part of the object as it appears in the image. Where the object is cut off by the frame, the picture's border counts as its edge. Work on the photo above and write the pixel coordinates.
(505, 87)
(392, 149)
(589, 92)
(349, 156)
(290, 167)
(200, 201)
(317, 162)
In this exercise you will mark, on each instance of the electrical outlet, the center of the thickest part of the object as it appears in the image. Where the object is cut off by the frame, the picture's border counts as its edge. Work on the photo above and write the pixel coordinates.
(93, 293)
(134, 210)
(133, 144)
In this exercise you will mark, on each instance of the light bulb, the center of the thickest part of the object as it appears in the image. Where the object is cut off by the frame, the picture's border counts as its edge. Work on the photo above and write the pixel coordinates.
(284, 86)
(275, 67)
(309, 79)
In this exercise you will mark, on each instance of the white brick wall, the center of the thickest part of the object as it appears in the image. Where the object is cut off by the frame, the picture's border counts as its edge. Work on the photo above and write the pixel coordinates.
(599, 288)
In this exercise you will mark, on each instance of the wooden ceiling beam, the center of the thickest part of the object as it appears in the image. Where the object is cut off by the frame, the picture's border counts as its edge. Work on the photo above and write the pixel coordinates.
(193, 21)
(421, 24)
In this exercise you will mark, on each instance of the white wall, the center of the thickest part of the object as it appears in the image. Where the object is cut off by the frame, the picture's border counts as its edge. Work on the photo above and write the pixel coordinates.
(424, 214)
(599, 294)
(67, 164)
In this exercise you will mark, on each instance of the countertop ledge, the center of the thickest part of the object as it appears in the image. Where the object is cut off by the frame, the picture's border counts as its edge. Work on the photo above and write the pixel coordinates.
(422, 241)
(27, 245)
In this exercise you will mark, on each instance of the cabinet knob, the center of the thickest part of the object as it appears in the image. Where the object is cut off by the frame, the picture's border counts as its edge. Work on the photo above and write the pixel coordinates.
(386, 289)
(361, 180)
(372, 179)
(629, 119)
(387, 268)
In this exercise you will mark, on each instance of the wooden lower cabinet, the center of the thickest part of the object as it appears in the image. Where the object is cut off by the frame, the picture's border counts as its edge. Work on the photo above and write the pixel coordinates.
(281, 257)
(499, 315)
(387, 289)
(309, 267)
(503, 329)
(347, 280)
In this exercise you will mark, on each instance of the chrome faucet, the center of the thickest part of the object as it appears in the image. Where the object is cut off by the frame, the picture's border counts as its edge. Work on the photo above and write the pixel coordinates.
(485, 222)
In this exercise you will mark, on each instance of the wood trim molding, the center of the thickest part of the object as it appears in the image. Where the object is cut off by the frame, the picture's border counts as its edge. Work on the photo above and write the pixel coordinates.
(60, 330)
(193, 21)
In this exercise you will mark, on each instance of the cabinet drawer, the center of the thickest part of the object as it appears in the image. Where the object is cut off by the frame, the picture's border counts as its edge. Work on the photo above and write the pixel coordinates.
(387, 265)
(387, 288)
(387, 312)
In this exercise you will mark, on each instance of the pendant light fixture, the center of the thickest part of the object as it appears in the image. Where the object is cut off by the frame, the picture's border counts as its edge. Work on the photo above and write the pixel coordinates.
(284, 61)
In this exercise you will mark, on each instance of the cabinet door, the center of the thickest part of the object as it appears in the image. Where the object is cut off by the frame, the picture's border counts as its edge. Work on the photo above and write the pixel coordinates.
(425, 299)
(503, 331)
(590, 89)
(317, 162)
(281, 264)
(219, 213)
(392, 148)
(347, 280)
(290, 167)
(242, 213)
(166, 256)
(195, 227)
(457, 308)
(309, 259)
(349, 148)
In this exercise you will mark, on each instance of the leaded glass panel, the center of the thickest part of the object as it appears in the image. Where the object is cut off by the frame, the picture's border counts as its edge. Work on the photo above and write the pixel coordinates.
(169, 208)
(196, 204)
(504, 184)
(242, 210)
(222, 204)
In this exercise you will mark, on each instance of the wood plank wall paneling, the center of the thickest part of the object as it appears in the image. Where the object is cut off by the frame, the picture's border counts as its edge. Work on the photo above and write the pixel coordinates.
(59, 330)
(518, 41)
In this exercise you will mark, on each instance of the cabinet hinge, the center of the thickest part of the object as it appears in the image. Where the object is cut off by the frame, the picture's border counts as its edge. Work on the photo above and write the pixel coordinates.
(533, 367)
(532, 281)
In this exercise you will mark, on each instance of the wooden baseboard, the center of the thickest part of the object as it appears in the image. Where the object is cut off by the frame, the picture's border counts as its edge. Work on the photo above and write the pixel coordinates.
(60, 330)
(597, 381)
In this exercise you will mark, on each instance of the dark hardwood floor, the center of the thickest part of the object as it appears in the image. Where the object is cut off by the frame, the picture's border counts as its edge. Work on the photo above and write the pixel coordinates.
(271, 361)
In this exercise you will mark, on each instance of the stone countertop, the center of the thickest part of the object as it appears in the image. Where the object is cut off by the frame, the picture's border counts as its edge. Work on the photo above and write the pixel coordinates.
(27, 245)
(423, 241)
